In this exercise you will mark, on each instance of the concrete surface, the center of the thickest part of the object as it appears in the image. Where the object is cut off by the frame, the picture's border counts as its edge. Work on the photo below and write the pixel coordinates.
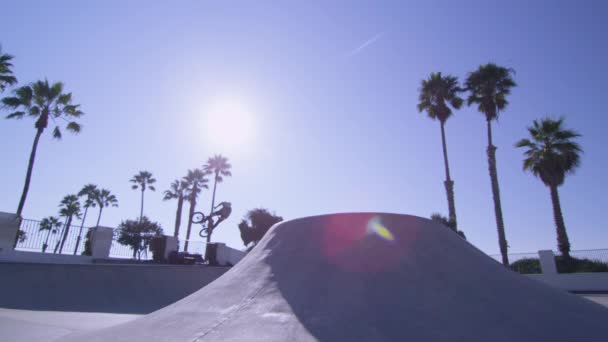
(601, 299)
(34, 326)
(574, 282)
(367, 277)
(99, 288)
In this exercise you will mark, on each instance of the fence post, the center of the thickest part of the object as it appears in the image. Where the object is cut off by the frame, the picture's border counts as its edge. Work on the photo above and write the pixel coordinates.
(101, 242)
(9, 226)
(547, 262)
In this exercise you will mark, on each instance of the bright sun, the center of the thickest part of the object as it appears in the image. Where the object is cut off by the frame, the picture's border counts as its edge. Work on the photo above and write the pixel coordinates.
(229, 124)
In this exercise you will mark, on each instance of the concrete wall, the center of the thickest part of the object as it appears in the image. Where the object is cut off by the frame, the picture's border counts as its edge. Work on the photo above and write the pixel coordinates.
(227, 255)
(575, 282)
(9, 225)
(100, 288)
(47, 258)
(572, 282)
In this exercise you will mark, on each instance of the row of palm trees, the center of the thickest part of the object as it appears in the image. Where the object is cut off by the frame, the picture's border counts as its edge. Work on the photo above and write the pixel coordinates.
(190, 186)
(551, 153)
(48, 103)
(71, 207)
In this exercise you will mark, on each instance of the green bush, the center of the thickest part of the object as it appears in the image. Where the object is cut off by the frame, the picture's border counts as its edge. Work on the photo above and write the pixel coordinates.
(576, 265)
(526, 266)
(564, 265)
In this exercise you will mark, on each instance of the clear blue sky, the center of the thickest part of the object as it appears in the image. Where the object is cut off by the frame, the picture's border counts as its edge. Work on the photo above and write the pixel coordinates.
(331, 89)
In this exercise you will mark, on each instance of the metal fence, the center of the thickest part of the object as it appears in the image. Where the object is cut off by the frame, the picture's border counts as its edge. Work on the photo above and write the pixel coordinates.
(600, 255)
(32, 239)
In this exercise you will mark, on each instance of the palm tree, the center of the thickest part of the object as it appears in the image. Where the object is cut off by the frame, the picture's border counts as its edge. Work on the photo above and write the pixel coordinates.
(6, 74)
(104, 198)
(69, 207)
(489, 86)
(176, 191)
(41, 100)
(436, 217)
(435, 94)
(51, 224)
(195, 181)
(143, 181)
(218, 166)
(90, 192)
(550, 155)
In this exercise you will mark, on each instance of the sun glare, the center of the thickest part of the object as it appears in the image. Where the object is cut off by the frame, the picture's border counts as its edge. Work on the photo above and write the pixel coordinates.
(229, 124)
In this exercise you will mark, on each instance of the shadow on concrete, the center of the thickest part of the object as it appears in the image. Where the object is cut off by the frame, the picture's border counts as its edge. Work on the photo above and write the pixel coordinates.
(136, 289)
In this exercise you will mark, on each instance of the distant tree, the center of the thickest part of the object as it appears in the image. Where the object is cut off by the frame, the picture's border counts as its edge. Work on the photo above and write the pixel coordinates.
(177, 191)
(137, 234)
(69, 208)
(21, 236)
(448, 223)
(6, 74)
(42, 101)
(52, 225)
(89, 192)
(143, 180)
(437, 94)
(488, 88)
(551, 153)
(195, 182)
(255, 225)
(104, 198)
(218, 166)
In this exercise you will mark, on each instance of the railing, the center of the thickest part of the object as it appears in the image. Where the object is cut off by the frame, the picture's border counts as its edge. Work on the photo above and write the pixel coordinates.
(600, 255)
(195, 247)
(32, 239)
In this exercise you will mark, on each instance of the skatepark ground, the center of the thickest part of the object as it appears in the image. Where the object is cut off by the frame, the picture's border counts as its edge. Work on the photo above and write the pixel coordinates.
(344, 277)
(39, 326)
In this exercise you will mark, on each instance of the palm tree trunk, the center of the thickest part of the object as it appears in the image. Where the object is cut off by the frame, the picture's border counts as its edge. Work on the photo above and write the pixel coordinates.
(563, 243)
(192, 206)
(59, 238)
(65, 233)
(28, 178)
(141, 213)
(46, 241)
(178, 215)
(500, 226)
(84, 217)
(210, 230)
(449, 184)
(99, 217)
(30, 168)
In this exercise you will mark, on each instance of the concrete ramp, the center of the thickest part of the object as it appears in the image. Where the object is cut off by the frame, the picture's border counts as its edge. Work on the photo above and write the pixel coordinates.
(367, 277)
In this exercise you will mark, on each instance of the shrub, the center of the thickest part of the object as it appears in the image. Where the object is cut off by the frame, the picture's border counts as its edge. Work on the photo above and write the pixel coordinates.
(576, 265)
(526, 266)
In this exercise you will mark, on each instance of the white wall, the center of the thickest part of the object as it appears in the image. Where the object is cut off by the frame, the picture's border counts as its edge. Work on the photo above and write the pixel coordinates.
(575, 282)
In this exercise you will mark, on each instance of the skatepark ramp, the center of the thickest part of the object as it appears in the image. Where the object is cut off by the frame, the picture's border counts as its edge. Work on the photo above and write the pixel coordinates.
(367, 277)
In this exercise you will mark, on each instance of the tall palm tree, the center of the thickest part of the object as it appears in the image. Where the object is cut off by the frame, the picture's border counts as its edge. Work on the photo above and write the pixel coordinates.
(88, 191)
(218, 166)
(550, 155)
(436, 93)
(42, 101)
(69, 207)
(52, 225)
(6, 74)
(104, 198)
(195, 181)
(143, 181)
(489, 87)
(176, 191)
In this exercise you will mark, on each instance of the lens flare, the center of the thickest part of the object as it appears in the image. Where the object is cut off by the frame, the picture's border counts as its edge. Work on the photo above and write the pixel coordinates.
(375, 226)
